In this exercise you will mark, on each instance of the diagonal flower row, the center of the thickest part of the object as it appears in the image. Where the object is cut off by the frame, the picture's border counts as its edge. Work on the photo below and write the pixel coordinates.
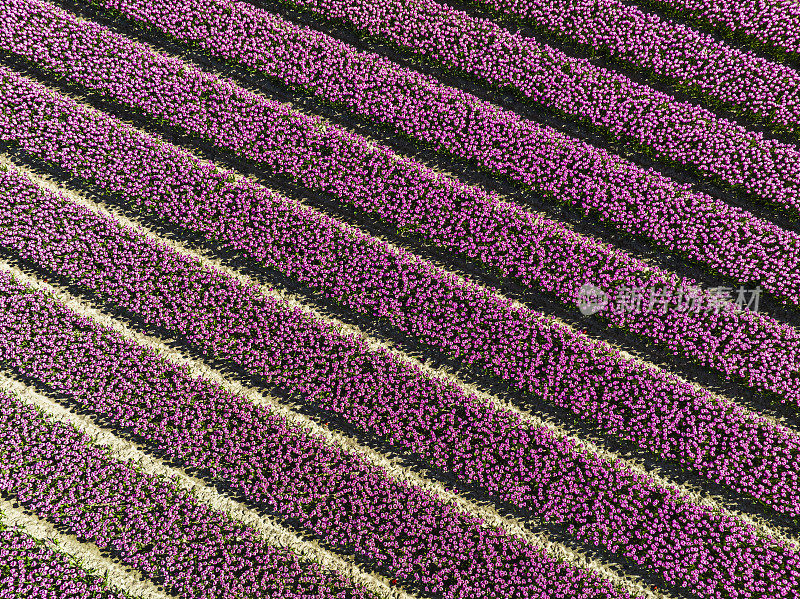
(536, 252)
(773, 27)
(676, 132)
(55, 472)
(26, 564)
(600, 503)
(533, 353)
(338, 497)
(693, 62)
(639, 202)
(412, 422)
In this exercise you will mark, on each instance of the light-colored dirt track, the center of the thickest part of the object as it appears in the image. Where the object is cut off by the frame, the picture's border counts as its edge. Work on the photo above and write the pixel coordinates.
(272, 532)
(88, 555)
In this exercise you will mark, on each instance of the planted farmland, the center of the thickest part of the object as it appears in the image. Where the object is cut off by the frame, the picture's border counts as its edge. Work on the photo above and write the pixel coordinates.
(691, 62)
(28, 561)
(441, 344)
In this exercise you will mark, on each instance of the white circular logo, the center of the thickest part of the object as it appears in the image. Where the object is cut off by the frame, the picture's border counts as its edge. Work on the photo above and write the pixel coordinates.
(591, 299)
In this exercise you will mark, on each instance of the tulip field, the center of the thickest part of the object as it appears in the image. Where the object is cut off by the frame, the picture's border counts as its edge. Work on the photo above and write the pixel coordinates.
(399, 299)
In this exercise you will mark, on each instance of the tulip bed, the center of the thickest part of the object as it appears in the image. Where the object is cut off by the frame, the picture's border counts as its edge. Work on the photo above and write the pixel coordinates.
(439, 519)
(758, 351)
(771, 27)
(532, 352)
(675, 132)
(54, 471)
(693, 62)
(337, 496)
(601, 503)
(638, 201)
(26, 562)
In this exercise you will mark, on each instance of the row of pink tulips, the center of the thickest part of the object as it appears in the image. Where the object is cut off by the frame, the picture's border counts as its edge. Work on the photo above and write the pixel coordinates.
(54, 471)
(678, 133)
(27, 563)
(756, 350)
(714, 73)
(333, 495)
(771, 27)
(531, 352)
